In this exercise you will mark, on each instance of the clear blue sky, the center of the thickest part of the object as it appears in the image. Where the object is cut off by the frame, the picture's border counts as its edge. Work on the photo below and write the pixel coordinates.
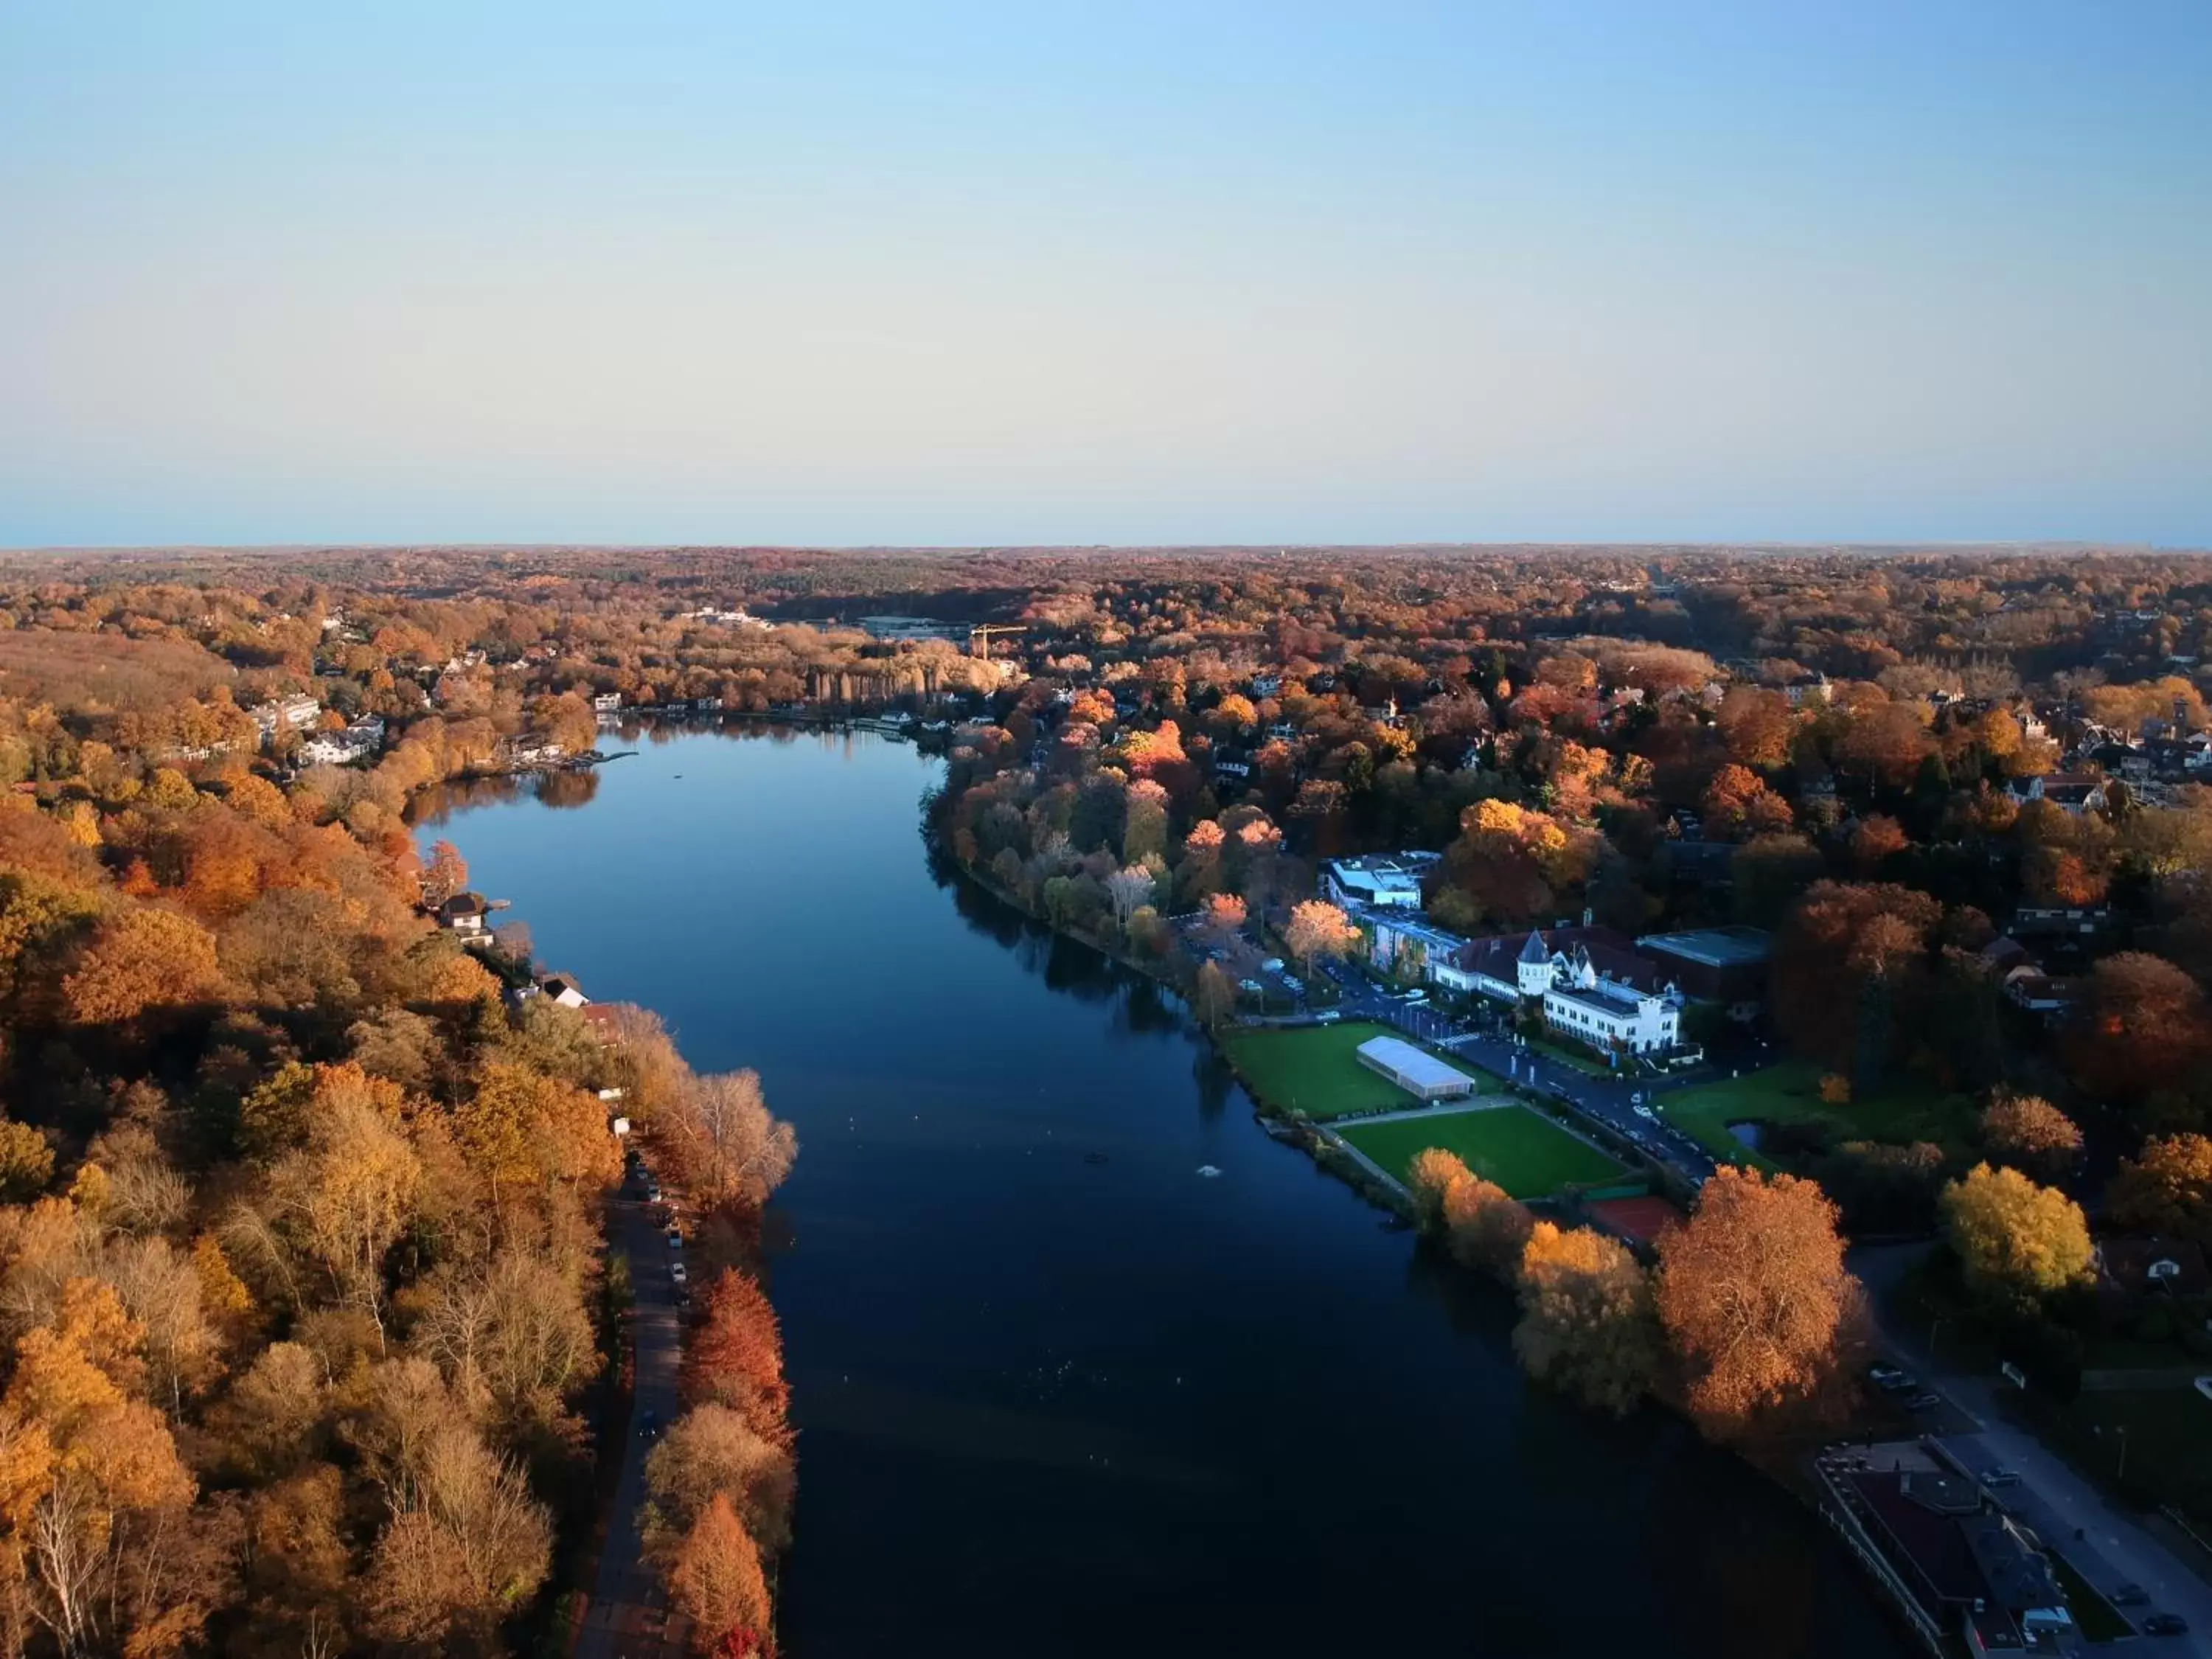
(1118, 272)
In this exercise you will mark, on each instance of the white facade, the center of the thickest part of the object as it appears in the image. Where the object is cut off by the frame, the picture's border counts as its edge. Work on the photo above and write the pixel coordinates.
(299, 712)
(1606, 1014)
(1378, 882)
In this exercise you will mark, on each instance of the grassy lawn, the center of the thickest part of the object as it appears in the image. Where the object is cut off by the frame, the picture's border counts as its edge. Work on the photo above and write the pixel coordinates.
(1525, 1154)
(1313, 1069)
(2169, 1444)
(1791, 1093)
(2098, 1619)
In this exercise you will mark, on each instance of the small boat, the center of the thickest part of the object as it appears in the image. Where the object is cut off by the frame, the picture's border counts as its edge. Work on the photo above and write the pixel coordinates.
(1208, 1171)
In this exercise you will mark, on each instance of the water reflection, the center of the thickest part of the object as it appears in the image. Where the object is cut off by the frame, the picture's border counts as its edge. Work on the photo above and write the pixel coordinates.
(1056, 1393)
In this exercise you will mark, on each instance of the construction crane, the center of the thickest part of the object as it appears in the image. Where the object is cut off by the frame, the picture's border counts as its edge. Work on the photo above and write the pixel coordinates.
(979, 637)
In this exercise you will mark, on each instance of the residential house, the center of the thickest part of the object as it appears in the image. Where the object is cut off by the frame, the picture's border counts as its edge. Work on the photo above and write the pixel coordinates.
(299, 713)
(2072, 793)
(2033, 921)
(2137, 1263)
(559, 987)
(358, 742)
(2028, 987)
(465, 914)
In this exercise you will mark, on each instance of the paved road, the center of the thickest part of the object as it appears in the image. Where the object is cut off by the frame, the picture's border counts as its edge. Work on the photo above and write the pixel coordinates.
(627, 1615)
(2052, 1498)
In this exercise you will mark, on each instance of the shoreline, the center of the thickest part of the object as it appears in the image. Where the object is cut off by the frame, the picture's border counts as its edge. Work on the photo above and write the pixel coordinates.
(1784, 1463)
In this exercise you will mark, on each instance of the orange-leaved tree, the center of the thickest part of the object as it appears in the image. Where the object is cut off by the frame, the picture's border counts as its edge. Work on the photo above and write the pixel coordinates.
(1587, 1325)
(735, 1357)
(1755, 1297)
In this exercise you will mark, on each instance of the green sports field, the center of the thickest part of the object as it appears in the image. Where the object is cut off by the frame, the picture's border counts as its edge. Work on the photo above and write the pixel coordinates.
(1313, 1069)
(1526, 1154)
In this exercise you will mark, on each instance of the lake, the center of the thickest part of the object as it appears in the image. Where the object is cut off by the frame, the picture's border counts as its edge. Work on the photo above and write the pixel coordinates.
(1057, 1393)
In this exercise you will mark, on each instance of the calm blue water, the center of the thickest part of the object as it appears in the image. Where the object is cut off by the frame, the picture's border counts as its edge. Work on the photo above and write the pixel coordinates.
(1054, 1406)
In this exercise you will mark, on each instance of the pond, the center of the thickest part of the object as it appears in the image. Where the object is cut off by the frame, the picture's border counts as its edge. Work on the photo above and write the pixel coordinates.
(1058, 1393)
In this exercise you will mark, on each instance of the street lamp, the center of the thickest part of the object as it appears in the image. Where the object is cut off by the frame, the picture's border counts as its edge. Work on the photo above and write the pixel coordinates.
(1935, 1330)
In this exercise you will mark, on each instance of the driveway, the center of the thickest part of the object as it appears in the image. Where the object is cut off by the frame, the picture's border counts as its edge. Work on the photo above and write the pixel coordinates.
(2055, 1502)
(628, 1616)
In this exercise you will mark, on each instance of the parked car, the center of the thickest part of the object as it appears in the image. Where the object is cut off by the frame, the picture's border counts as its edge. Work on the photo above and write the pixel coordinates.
(2128, 1595)
(653, 1192)
(1328, 1017)
(1923, 1402)
(1889, 1378)
(648, 1423)
(1994, 1479)
(2166, 1624)
(675, 1238)
(678, 1274)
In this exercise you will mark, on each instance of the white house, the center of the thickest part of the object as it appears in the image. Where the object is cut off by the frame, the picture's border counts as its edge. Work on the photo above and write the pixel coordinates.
(1607, 1014)
(464, 913)
(563, 990)
(1591, 986)
(2074, 794)
(298, 713)
(1379, 881)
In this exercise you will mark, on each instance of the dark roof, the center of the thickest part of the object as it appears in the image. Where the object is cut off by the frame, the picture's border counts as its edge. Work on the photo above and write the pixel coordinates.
(464, 904)
(2127, 1262)
(1497, 954)
(1620, 964)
